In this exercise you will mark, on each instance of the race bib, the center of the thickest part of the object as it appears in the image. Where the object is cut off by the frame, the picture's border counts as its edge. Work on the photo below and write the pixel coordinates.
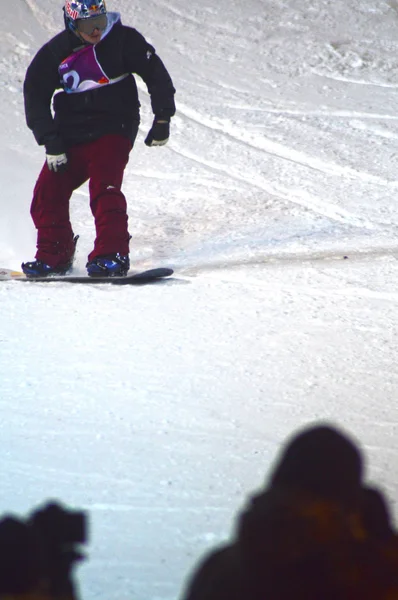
(81, 71)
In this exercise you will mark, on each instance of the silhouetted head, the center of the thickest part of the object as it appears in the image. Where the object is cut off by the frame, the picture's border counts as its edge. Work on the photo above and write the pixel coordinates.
(322, 461)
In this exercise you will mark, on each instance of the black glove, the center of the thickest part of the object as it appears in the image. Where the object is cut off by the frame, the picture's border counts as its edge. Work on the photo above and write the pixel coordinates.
(159, 133)
(56, 158)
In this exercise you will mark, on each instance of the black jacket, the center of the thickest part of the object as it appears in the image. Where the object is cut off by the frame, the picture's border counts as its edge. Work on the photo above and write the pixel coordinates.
(108, 109)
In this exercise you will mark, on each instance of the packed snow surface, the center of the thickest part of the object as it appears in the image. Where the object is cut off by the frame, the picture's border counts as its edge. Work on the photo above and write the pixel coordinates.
(159, 409)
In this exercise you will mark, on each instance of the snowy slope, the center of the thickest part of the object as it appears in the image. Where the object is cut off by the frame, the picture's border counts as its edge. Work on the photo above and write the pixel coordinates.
(159, 408)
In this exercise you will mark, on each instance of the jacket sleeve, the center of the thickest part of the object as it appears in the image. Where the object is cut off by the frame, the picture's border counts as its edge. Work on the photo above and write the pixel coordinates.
(40, 83)
(141, 58)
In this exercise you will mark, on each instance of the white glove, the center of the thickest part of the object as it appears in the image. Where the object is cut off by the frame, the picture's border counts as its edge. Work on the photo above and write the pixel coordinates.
(57, 162)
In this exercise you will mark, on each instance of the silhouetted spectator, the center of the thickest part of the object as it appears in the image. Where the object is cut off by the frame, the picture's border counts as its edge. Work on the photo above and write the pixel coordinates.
(376, 514)
(22, 566)
(305, 536)
(38, 554)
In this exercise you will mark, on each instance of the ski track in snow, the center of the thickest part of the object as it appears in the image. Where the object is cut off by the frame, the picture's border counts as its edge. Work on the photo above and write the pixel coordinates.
(322, 112)
(43, 18)
(284, 152)
(298, 197)
(363, 82)
(308, 290)
(269, 147)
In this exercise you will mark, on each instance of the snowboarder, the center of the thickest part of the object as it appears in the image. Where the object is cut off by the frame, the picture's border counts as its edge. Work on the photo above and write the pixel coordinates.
(90, 132)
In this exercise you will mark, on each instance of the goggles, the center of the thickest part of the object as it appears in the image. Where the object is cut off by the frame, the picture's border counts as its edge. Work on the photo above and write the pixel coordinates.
(88, 26)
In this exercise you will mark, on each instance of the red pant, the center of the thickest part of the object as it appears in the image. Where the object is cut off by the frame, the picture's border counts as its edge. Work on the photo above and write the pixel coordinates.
(102, 162)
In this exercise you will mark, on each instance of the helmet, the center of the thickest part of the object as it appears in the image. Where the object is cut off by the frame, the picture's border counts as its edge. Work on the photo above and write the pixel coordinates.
(82, 9)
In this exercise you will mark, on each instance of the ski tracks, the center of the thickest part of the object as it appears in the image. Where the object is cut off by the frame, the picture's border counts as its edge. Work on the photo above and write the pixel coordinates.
(42, 17)
(261, 144)
(279, 276)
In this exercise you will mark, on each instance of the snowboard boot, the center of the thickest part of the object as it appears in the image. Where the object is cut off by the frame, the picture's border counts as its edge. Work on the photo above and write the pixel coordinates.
(111, 265)
(37, 268)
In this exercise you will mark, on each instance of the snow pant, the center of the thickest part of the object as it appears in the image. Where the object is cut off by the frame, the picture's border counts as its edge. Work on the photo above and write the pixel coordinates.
(102, 162)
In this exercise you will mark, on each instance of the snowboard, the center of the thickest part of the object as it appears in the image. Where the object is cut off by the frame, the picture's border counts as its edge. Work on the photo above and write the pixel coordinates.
(140, 278)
